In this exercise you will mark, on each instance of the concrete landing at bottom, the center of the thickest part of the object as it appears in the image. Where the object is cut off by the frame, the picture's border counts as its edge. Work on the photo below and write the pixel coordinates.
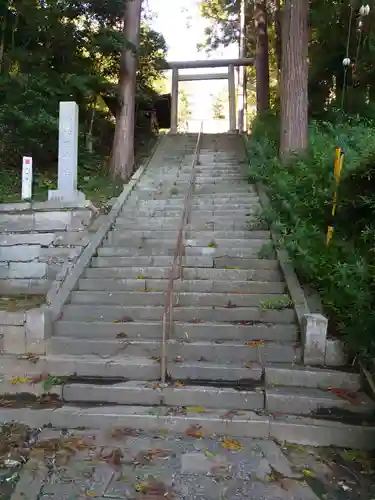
(302, 430)
(121, 464)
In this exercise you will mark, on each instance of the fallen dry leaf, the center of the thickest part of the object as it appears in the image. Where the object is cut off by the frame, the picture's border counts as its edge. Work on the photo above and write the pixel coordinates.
(124, 319)
(195, 431)
(37, 379)
(121, 433)
(351, 397)
(114, 458)
(179, 384)
(195, 409)
(19, 380)
(121, 335)
(255, 343)
(229, 444)
(230, 414)
(33, 358)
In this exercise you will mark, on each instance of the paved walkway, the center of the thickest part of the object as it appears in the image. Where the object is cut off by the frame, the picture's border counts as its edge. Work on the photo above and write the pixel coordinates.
(130, 464)
(124, 463)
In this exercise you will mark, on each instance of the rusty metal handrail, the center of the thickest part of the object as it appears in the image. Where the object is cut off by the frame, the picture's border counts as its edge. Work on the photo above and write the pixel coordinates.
(177, 263)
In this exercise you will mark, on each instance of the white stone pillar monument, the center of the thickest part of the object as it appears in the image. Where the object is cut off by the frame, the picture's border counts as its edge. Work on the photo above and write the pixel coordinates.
(68, 155)
(232, 99)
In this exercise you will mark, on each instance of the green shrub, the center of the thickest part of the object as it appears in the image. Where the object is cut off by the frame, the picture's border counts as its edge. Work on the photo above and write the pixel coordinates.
(301, 193)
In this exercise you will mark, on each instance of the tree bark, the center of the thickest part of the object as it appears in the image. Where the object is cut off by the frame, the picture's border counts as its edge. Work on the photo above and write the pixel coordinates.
(241, 73)
(261, 57)
(122, 159)
(278, 37)
(294, 78)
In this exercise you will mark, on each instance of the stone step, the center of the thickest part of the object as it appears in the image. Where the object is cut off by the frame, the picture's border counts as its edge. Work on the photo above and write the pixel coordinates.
(197, 225)
(154, 394)
(148, 418)
(197, 204)
(126, 247)
(233, 352)
(315, 402)
(214, 351)
(223, 262)
(309, 377)
(181, 299)
(148, 348)
(150, 261)
(167, 213)
(210, 423)
(250, 372)
(161, 285)
(236, 235)
(121, 367)
(189, 273)
(182, 331)
(226, 243)
(182, 314)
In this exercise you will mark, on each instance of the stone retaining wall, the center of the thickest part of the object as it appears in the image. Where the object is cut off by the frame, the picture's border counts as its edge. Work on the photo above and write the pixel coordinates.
(39, 244)
(38, 241)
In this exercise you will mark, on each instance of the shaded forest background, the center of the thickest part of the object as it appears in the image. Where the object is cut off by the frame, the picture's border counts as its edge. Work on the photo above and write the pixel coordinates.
(66, 50)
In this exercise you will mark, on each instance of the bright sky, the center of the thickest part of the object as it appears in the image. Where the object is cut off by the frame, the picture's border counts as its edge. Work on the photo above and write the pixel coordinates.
(182, 27)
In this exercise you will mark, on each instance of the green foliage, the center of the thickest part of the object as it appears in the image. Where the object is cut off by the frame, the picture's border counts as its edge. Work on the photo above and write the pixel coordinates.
(301, 194)
(184, 111)
(223, 19)
(52, 51)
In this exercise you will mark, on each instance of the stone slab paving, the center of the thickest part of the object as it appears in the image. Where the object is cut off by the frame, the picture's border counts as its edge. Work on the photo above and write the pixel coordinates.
(128, 464)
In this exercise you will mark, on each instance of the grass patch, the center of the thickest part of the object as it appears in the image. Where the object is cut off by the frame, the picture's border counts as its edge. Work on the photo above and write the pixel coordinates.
(21, 302)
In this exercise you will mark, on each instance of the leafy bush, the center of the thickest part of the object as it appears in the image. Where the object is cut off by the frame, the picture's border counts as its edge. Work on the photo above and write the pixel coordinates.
(301, 194)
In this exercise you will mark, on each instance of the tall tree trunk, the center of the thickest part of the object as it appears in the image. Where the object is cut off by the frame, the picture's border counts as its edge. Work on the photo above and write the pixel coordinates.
(241, 72)
(122, 160)
(294, 78)
(278, 37)
(261, 57)
(2, 41)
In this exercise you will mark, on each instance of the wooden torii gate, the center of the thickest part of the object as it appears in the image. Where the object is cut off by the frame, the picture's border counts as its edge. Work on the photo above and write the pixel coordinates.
(175, 66)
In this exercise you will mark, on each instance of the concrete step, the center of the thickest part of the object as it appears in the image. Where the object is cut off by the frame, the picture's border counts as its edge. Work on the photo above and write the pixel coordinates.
(148, 348)
(121, 367)
(315, 402)
(161, 285)
(212, 422)
(236, 235)
(148, 418)
(125, 247)
(150, 261)
(190, 273)
(167, 213)
(154, 394)
(118, 238)
(182, 331)
(287, 375)
(195, 224)
(213, 351)
(180, 299)
(250, 372)
(182, 314)
(233, 352)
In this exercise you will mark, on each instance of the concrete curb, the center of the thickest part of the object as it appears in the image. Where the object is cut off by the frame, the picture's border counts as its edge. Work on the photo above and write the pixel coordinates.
(57, 299)
(313, 327)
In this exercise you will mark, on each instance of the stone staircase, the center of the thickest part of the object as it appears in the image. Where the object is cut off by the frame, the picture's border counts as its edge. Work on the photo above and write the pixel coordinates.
(234, 355)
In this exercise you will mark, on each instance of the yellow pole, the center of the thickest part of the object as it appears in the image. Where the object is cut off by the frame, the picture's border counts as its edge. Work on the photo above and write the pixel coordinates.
(337, 168)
